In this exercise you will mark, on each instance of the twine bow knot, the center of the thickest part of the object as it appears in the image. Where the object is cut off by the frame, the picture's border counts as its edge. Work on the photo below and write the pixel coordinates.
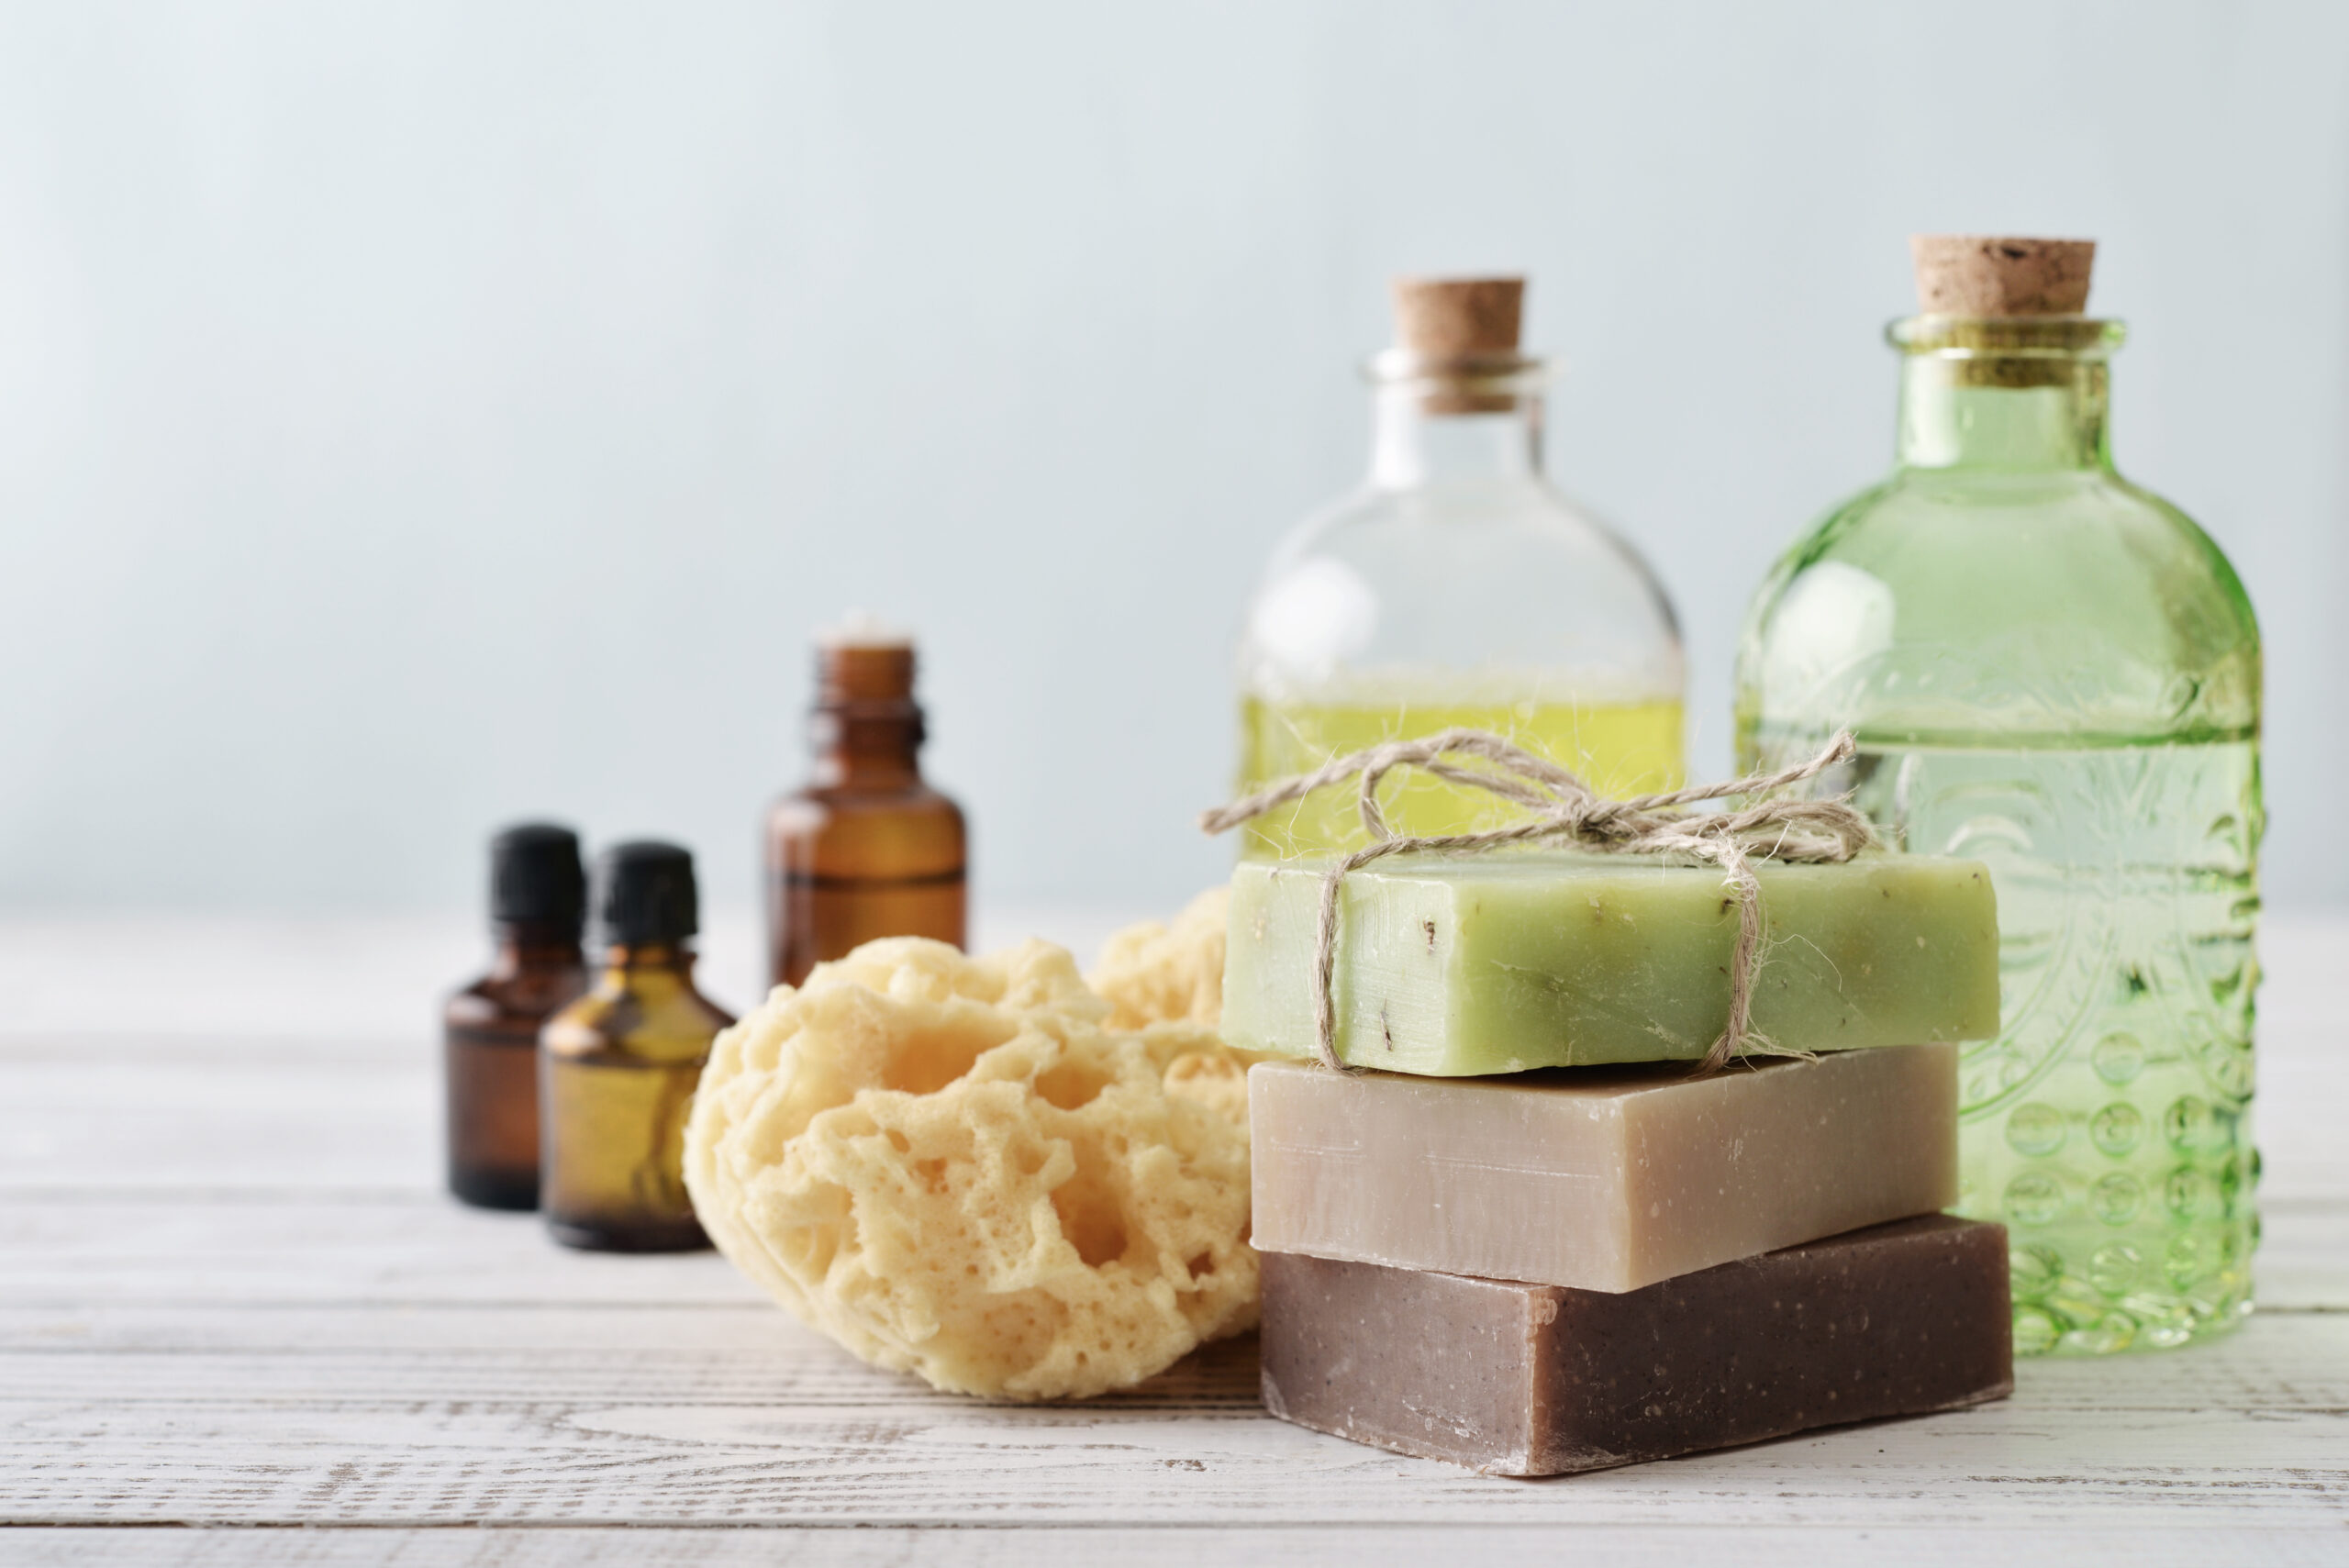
(1563, 809)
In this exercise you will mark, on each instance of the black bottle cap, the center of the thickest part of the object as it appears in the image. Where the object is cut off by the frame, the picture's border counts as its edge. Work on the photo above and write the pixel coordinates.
(535, 878)
(644, 893)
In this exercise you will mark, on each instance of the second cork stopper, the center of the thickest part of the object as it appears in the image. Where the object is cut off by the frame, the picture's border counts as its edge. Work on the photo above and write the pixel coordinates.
(1453, 319)
(862, 660)
(1977, 274)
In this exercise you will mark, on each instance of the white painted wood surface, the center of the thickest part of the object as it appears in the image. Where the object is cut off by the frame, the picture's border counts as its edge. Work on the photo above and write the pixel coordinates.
(233, 1298)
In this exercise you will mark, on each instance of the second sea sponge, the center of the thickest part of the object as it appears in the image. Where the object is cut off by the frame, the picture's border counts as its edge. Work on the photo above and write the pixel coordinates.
(1153, 974)
(951, 1166)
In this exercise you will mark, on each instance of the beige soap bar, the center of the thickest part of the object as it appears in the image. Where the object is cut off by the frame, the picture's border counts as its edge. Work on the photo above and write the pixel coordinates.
(1599, 1178)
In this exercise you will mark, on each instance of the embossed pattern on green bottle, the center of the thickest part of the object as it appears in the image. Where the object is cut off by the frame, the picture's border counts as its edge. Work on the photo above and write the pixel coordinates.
(2107, 1125)
(2055, 671)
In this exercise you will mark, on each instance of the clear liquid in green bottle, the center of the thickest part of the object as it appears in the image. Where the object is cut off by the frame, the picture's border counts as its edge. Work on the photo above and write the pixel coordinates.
(2056, 673)
(2108, 1126)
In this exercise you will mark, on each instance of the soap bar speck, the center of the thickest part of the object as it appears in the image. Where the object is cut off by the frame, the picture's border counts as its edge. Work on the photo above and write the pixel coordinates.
(1536, 1380)
(1602, 1178)
(1465, 966)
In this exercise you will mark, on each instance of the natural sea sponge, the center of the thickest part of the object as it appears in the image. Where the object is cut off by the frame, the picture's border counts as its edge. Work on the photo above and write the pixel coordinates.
(951, 1166)
(1162, 973)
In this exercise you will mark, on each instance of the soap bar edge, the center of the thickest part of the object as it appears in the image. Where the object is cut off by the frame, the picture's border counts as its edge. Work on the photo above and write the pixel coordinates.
(1262, 1016)
(1318, 1202)
(1978, 1338)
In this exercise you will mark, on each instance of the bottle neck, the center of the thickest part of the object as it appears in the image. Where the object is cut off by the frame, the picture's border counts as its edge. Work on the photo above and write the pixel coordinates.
(526, 948)
(1424, 437)
(632, 963)
(876, 744)
(2021, 396)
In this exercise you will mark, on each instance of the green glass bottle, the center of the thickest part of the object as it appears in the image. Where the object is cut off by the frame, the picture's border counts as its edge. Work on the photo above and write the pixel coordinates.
(2052, 670)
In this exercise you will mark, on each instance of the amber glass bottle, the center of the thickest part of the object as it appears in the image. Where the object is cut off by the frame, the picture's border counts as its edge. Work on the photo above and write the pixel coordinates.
(490, 1029)
(867, 849)
(618, 1067)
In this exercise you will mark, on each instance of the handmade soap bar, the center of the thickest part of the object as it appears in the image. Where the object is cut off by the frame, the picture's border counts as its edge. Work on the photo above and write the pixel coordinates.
(1533, 1380)
(1604, 1178)
(1498, 962)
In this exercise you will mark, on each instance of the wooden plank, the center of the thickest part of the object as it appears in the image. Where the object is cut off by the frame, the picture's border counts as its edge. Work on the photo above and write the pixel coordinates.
(756, 1356)
(2303, 1264)
(2303, 1058)
(329, 976)
(653, 1427)
(356, 976)
(72, 1250)
(66, 1250)
(203, 1463)
(234, 1296)
(302, 1117)
(1499, 1546)
(199, 1115)
(753, 1356)
(353, 1104)
(306, 1115)
(296, 1057)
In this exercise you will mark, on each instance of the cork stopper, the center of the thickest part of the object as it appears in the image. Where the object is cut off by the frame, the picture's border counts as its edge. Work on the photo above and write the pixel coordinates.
(1997, 275)
(1450, 318)
(862, 660)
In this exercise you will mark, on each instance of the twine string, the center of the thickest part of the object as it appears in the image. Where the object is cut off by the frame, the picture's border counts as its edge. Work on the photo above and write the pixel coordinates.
(1563, 809)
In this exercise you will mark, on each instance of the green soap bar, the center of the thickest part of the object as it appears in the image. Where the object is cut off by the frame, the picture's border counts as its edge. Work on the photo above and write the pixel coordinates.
(1501, 963)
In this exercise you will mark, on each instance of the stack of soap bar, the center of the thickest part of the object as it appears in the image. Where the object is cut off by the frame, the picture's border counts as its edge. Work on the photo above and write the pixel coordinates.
(1502, 962)
(1533, 1241)
(1534, 1379)
(1605, 1178)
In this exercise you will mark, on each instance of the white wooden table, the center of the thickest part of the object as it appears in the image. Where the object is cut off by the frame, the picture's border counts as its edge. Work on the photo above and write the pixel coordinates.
(239, 1322)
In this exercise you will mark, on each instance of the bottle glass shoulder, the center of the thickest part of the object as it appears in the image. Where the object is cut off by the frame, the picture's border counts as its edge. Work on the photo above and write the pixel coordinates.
(1505, 578)
(1943, 604)
(640, 1017)
(515, 1004)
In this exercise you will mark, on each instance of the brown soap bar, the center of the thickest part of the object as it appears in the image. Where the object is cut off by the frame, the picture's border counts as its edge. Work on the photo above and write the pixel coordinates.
(1536, 1380)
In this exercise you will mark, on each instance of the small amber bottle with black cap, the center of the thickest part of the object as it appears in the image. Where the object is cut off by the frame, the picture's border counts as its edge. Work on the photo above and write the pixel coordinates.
(868, 849)
(538, 899)
(618, 1067)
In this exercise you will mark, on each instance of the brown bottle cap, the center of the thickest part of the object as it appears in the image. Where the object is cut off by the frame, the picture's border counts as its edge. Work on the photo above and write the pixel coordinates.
(1979, 274)
(1450, 318)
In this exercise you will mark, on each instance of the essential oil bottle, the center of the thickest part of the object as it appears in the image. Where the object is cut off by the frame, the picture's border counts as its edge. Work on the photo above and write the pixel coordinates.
(868, 849)
(618, 1067)
(1455, 586)
(538, 899)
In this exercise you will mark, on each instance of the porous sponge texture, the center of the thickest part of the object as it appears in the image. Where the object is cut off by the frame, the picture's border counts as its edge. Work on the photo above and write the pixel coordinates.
(951, 1166)
(1157, 973)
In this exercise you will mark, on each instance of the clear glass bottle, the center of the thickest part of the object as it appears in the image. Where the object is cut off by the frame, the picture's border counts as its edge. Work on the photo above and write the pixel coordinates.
(538, 899)
(2054, 672)
(868, 849)
(1457, 586)
(617, 1068)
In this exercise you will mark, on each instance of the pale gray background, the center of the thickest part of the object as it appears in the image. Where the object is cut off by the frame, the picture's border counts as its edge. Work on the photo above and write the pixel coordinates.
(414, 416)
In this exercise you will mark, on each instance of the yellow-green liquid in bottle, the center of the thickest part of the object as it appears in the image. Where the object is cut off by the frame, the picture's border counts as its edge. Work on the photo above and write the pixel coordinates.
(1456, 588)
(1619, 748)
